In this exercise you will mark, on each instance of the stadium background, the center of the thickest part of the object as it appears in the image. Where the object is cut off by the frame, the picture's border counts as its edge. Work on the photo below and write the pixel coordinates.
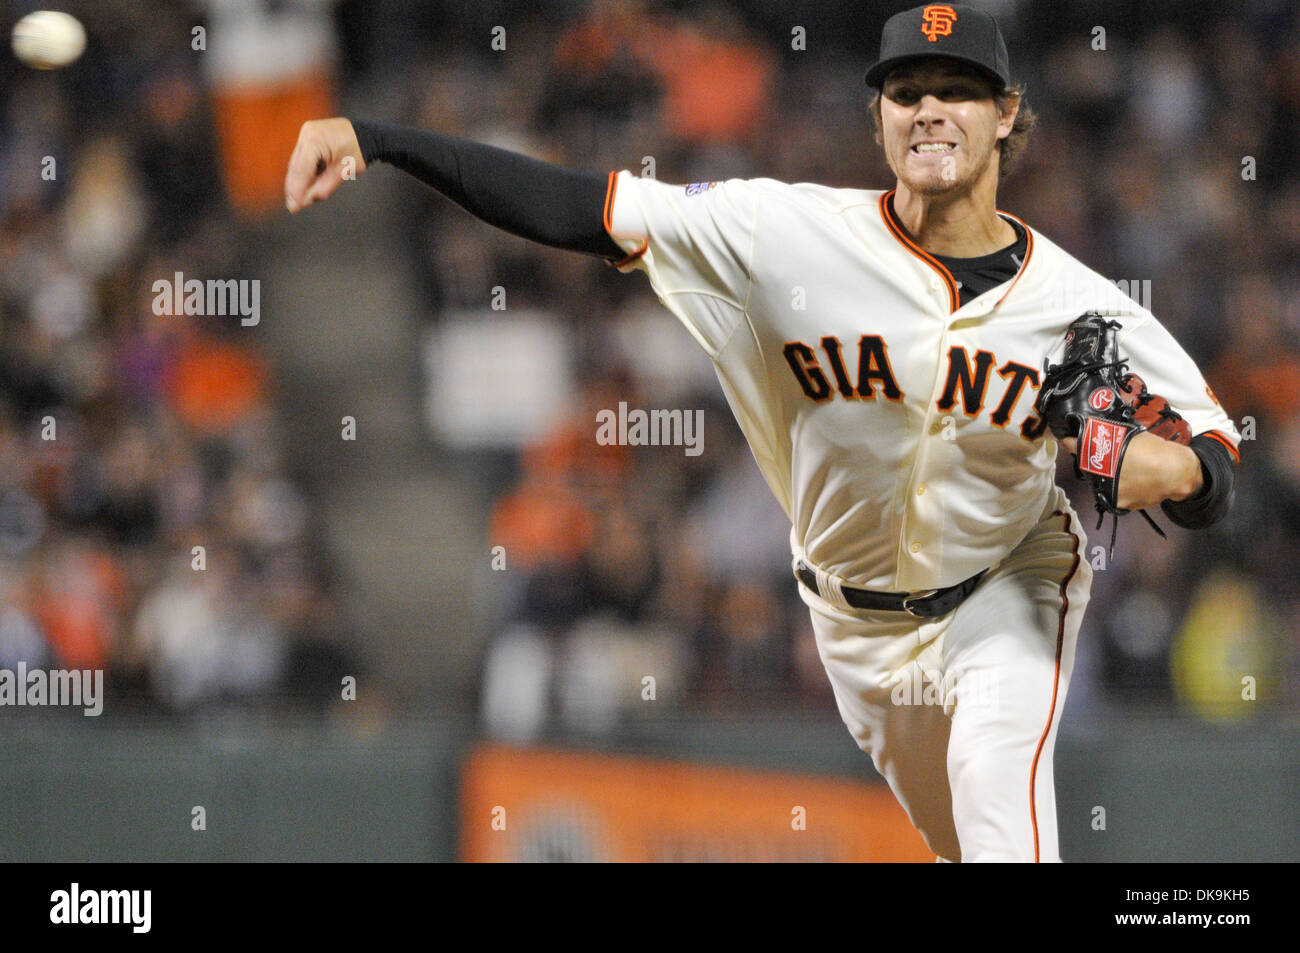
(521, 687)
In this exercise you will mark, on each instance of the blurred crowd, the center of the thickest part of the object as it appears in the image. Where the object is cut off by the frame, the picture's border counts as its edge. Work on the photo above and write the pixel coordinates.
(1164, 153)
(149, 525)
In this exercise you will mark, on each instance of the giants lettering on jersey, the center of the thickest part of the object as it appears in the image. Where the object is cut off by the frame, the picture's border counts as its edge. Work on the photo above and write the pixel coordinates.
(873, 368)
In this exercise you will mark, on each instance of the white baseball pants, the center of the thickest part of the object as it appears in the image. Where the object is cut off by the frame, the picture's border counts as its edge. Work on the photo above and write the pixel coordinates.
(960, 714)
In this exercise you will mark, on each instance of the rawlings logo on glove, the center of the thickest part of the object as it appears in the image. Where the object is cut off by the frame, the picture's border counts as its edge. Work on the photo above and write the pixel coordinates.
(1101, 398)
(1078, 399)
(1100, 437)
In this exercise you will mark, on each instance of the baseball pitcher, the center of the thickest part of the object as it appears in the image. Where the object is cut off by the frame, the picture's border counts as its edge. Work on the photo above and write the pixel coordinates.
(905, 365)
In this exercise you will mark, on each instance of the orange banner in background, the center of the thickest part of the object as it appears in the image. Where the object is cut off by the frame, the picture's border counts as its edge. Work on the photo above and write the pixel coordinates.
(541, 805)
(258, 128)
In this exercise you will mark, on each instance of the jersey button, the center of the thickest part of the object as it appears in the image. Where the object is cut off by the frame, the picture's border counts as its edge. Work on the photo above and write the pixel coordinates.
(915, 547)
(920, 490)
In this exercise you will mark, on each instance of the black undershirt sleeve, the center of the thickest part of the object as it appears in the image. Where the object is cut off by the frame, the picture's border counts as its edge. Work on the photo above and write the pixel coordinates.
(1208, 505)
(545, 203)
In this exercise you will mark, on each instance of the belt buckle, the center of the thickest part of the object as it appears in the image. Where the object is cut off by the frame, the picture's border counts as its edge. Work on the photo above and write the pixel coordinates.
(907, 607)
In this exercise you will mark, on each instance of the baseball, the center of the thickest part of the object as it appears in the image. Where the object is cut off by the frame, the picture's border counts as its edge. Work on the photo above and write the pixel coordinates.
(48, 39)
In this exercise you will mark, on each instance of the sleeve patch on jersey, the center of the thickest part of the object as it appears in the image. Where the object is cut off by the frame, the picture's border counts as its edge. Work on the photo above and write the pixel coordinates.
(697, 188)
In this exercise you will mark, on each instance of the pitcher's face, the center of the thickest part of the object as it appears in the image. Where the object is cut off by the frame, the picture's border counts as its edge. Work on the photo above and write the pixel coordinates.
(940, 126)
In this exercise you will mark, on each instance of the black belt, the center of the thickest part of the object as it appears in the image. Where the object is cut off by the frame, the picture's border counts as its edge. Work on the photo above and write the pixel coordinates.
(932, 605)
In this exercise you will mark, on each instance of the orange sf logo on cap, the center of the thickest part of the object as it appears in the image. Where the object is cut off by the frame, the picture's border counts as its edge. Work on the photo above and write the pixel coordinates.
(937, 20)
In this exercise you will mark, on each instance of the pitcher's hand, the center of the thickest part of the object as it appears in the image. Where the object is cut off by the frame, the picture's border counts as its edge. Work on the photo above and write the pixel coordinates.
(327, 152)
(1154, 470)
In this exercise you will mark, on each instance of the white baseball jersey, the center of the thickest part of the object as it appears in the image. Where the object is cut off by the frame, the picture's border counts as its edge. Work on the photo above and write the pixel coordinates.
(895, 427)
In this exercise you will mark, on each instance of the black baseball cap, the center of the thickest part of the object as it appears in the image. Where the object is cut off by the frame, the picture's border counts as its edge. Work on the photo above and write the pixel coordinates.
(943, 29)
